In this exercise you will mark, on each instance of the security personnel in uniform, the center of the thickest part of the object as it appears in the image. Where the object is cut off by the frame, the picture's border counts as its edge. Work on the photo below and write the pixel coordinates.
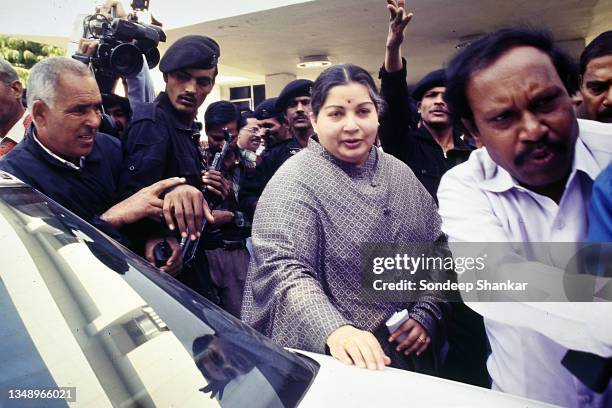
(280, 146)
(433, 146)
(294, 103)
(163, 138)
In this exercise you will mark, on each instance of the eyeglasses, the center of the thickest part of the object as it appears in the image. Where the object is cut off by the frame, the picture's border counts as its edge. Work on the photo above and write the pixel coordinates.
(252, 130)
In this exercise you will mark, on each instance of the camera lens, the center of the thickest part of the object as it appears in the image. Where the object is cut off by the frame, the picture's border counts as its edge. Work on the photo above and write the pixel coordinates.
(126, 59)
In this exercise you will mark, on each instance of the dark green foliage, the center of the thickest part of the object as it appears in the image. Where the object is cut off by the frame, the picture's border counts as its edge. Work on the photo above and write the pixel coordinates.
(24, 54)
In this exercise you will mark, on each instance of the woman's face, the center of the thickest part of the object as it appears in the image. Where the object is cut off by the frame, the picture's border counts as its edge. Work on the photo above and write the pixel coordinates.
(347, 123)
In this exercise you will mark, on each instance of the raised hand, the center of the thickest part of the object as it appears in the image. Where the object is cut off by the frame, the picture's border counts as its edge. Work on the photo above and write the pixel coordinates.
(398, 21)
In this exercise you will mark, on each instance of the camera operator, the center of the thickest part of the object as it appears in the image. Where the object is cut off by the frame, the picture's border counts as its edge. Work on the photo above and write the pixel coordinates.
(138, 86)
(163, 141)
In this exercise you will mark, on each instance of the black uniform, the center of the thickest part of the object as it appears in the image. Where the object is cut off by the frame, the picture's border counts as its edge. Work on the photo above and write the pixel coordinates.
(414, 146)
(88, 191)
(158, 145)
(253, 185)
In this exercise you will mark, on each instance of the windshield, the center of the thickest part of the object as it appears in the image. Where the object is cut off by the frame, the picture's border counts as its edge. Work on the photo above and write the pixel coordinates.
(79, 310)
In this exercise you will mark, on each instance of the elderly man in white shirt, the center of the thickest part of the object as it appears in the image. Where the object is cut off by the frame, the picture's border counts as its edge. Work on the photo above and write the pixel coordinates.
(530, 183)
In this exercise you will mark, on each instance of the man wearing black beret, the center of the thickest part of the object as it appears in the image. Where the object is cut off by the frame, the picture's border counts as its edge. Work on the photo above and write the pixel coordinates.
(280, 146)
(432, 146)
(294, 103)
(163, 138)
(272, 124)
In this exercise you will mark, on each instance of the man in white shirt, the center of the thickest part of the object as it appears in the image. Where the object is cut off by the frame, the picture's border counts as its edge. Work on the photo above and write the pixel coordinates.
(12, 111)
(531, 183)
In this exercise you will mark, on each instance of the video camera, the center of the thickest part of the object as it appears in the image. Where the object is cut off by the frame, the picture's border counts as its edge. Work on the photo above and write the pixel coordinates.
(122, 43)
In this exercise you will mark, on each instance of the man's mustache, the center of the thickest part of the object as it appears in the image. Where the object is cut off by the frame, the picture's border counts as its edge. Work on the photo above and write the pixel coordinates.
(605, 115)
(528, 152)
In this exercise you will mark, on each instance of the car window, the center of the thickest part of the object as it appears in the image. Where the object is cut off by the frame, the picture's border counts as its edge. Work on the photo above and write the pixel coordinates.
(81, 311)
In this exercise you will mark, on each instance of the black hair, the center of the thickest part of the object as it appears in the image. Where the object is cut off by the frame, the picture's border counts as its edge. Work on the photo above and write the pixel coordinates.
(599, 47)
(245, 113)
(112, 100)
(343, 74)
(487, 50)
(220, 113)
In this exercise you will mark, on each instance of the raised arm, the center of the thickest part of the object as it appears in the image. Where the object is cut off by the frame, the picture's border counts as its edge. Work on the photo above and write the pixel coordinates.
(396, 121)
(398, 21)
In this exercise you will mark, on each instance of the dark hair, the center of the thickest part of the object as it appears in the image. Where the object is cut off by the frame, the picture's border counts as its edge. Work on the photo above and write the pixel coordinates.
(599, 47)
(487, 50)
(245, 113)
(112, 100)
(343, 74)
(220, 113)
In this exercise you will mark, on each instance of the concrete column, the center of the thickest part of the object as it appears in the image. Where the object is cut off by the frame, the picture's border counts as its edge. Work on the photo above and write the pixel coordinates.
(276, 82)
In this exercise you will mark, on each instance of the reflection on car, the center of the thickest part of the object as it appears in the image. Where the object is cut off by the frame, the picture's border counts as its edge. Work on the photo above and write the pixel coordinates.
(80, 310)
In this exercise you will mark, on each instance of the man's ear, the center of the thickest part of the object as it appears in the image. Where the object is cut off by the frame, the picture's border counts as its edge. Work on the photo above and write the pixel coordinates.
(165, 77)
(470, 126)
(17, 89)
(40, 112)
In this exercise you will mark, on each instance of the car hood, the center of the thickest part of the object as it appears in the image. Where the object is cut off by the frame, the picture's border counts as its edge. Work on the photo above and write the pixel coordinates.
(338, 385)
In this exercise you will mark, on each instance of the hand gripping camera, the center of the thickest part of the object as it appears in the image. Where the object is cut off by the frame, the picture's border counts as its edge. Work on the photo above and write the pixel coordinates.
(122, 43)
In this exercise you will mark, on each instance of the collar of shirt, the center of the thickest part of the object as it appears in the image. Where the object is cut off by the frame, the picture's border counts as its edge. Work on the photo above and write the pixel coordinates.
(497, 179)
(248, 157)
(17, 132)
(164, 101)
(459, 144)
(56, 157)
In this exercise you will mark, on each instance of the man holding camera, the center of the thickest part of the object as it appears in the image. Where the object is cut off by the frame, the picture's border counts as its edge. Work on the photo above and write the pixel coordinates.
(113, 54)
(163, 140)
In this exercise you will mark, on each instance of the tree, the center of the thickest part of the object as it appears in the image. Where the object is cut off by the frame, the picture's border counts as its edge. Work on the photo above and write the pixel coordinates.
(24, 54)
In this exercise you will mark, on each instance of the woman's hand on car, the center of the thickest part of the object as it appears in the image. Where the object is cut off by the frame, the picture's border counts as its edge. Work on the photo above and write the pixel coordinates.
(351, 345)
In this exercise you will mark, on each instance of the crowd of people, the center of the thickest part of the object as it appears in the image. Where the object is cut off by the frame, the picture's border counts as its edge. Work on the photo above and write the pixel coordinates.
(277, 202)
